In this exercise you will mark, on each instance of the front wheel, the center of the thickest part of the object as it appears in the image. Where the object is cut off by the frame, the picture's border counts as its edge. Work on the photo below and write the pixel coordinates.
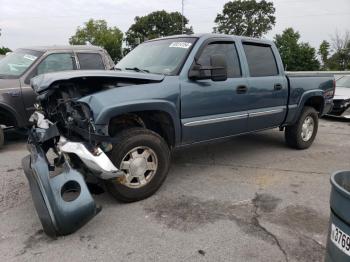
(302, 134)
(144, 157)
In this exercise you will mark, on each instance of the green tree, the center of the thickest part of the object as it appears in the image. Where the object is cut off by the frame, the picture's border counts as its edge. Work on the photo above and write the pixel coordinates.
(154, 25)
(248, 18)
(323, 51)
(98, 33)
(4, 50)
(340, 59)
(296, 56)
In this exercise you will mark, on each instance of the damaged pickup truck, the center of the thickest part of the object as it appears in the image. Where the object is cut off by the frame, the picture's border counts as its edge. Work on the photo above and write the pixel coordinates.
(119, 127)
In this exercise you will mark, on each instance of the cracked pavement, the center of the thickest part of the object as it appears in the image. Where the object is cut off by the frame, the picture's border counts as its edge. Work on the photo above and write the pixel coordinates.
(248, 198)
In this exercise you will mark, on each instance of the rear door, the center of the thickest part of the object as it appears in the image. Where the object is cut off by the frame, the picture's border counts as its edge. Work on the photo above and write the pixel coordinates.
(213, 109)
(267, 87)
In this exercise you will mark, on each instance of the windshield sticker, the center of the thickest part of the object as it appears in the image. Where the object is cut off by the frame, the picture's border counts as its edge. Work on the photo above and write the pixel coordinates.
(185, 45)
(30, 57)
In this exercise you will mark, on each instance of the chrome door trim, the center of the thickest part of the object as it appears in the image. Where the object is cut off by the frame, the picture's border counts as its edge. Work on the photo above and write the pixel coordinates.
(215, 120)
(267, 112)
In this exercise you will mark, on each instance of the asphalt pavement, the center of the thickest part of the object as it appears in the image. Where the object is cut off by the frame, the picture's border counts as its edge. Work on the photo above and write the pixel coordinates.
(247, 198)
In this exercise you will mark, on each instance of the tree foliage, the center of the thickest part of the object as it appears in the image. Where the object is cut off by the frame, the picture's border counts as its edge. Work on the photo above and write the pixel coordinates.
(323, 51)
(248, 18)
(340, 59)
(154, 25)
(98, 33)
(296, 56)
(4, 50)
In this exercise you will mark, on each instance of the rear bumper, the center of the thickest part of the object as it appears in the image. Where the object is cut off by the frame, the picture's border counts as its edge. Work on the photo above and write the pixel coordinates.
(61, 198)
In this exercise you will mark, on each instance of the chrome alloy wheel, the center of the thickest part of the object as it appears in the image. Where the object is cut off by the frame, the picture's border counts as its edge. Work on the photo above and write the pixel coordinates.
(307, 128)
(139, 165)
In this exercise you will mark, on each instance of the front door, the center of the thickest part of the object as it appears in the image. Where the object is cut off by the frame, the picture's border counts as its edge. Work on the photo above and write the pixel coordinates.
(214, 109)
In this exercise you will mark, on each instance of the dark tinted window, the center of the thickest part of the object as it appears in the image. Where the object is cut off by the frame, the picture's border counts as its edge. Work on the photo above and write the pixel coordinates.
(90, 61)
(226, 49)
(56, 62)
(261, 60)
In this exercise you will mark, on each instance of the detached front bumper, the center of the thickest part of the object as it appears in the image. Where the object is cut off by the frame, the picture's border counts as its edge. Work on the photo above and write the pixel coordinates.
(62, 199)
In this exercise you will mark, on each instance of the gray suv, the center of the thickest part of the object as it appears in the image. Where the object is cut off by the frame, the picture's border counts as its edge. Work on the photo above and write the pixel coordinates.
(16, 69)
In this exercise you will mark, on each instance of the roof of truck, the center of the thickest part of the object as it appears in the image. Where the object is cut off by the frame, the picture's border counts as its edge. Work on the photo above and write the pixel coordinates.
(63, 47)
(212, 35)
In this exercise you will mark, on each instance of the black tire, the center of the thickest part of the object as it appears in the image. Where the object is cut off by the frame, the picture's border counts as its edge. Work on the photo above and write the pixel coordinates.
(293, 135)
(2, 137)
(127, 140)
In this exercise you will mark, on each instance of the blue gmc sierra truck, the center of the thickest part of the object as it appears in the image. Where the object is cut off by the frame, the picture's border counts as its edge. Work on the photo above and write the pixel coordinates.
(119, 127)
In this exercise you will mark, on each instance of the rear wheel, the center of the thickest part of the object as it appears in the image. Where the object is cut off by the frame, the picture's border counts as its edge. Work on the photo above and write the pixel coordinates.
(2, 137)
(302, 134)
(144, 157)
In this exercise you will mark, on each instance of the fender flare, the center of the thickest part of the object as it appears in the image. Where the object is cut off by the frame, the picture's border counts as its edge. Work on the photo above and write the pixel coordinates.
(304, 97)
(108, 113)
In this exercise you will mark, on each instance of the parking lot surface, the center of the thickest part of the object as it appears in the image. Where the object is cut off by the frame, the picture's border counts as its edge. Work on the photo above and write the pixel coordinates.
(247, 198)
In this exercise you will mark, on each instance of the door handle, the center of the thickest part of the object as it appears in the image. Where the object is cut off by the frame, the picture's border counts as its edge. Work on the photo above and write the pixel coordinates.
(277, 87)
(241, 89)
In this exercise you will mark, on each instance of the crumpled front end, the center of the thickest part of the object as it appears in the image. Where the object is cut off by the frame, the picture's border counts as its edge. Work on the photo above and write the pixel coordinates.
(341, 108)
(59, 191)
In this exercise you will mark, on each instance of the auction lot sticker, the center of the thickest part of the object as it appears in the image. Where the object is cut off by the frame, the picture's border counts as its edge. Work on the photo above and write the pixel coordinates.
(185, 45)
(340, 239)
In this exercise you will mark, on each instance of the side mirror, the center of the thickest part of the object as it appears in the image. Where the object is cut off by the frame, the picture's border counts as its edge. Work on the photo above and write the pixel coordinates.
(217, 71)
(219, 68)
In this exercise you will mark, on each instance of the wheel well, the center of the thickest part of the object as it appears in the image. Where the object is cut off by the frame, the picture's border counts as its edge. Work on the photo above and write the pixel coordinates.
(7, 118)
(157, 121)
(316, 102)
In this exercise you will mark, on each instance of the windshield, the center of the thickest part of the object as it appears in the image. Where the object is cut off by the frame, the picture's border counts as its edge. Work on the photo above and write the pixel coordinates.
(344, 81)
(16, 63)
(159, 57)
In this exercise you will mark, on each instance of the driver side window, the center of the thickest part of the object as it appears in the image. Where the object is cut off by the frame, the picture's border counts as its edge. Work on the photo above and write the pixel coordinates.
(56, 62)
(226, 49)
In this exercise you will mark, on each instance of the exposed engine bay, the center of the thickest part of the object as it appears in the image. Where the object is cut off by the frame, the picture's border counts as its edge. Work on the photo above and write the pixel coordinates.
(60, 105)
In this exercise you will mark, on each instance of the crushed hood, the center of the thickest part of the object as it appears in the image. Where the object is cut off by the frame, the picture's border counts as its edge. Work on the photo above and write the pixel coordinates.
(44, 82)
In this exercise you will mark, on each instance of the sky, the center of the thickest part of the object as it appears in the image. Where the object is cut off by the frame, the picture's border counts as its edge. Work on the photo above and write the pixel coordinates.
(50, 22)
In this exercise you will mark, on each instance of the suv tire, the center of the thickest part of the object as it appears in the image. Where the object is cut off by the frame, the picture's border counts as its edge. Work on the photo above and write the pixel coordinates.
(302, 134)
(144, 156)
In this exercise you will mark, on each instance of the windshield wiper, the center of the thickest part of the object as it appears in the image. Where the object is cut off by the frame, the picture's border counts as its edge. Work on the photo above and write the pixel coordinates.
(136, 69)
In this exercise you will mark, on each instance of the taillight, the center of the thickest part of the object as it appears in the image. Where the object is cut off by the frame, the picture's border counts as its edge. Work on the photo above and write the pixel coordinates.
(330, 93)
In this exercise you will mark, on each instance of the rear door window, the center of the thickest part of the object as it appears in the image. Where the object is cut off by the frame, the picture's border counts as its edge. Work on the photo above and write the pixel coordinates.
(90, 61)
(261, 60)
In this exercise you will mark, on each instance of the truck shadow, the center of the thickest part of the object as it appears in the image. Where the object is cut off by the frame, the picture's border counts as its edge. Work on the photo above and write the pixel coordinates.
(252, 144)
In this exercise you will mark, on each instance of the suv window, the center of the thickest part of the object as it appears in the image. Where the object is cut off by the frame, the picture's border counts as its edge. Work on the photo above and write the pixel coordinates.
(222, 48)
(56, 62)
(90, 61)
(261, 60)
